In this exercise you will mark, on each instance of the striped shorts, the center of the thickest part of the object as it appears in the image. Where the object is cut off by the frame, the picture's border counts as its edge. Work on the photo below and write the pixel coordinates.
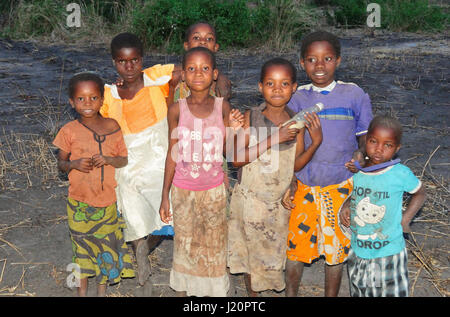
(379, 277)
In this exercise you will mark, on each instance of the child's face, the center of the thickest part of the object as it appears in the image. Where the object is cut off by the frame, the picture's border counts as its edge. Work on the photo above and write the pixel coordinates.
(320, 63)
(277, 86)
(87, 99)
(381, 145)
(202, 35)
(128, 63)
(198, 72)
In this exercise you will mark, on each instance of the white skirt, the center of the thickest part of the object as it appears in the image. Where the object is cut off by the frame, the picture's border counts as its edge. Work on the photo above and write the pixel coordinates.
(140, 182)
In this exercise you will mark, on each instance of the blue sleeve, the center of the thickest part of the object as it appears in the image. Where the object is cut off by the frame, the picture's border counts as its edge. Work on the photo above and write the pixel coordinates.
(363, 113)
(411, 183)
(294, 103)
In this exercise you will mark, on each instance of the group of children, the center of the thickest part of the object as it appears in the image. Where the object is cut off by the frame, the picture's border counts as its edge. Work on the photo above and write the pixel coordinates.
(158, 169)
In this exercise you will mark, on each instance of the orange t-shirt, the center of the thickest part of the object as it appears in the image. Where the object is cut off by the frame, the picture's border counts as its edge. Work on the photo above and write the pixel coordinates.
(146, 108)
(76, 139)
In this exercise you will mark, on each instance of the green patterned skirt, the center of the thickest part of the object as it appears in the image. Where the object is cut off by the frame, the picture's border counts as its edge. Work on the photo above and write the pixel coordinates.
(98, 245)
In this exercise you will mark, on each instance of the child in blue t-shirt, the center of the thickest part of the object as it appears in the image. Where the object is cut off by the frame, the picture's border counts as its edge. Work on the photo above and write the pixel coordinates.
(377, 262)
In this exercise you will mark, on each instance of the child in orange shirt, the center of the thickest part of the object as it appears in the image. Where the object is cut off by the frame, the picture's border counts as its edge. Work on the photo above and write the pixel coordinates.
(90, 149)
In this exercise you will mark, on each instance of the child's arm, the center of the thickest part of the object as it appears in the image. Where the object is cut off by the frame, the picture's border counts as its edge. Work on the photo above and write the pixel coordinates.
(315, 131)
(116, 161)
(169, 171)
(416, 202)
(223, 86)
(288, 197)
(66, 165)
(233, 120)
(302, 157)
(243, 154)
(344, 214)
(176, 77)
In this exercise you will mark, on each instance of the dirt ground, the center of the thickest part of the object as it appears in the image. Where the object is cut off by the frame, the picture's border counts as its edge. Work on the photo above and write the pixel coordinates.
(406, 75)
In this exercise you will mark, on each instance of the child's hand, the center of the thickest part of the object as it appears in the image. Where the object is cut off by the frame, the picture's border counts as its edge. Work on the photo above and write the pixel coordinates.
(288, 196)
(405, 225)
(119, 81)
(99, 160)
(223, 87)
(236, 119)
(83, 165)
(357, 156)
(314, 127)
(350, 165)
(344, 216)
(176, 76)
(164, 211)
(285, 133)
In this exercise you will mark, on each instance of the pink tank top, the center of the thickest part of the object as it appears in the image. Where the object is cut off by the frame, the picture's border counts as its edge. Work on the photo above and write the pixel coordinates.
(200, 149)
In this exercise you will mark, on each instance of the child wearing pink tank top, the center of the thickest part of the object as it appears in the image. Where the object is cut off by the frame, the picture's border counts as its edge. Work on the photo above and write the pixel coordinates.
(200, 148)
(197, 131)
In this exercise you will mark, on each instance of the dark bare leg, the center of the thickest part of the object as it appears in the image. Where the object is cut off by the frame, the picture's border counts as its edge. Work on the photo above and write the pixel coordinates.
(141, 252)
(333, 277)
(248, 285)
(294, 272)
(101, 290)
(153, 242)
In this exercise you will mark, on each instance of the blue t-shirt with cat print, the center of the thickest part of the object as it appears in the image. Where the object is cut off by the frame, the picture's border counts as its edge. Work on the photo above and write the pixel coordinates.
(376, 210)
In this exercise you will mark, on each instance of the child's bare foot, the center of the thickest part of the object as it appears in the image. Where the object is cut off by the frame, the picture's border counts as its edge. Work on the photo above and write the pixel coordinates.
(82, 289)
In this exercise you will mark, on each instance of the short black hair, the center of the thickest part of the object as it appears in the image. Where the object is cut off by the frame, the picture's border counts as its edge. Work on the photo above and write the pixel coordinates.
(388, 122)
(199, 49)
(281, 62)
(126, 40)
(320, 36)
(85, 76)
(193, 26)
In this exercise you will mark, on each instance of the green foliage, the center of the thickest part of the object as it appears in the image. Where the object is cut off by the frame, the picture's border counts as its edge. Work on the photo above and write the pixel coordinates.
(351, 12)
(162, 23)
(282, 22)
(412, 16)
(238, 23)
(396, 15)
(275, 24)
(35, 17)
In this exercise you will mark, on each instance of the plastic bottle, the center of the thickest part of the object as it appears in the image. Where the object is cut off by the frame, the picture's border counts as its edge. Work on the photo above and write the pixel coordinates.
(300, 116)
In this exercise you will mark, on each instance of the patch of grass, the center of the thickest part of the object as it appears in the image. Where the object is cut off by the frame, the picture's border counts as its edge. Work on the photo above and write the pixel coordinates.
(281, 23)
(161, 24)
(26, 160)
(46, 19)
(412, 16)
(396, 15)
(34, 18)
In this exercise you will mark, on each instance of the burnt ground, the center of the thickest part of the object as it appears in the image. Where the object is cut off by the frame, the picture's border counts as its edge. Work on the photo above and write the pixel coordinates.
(406, 75)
